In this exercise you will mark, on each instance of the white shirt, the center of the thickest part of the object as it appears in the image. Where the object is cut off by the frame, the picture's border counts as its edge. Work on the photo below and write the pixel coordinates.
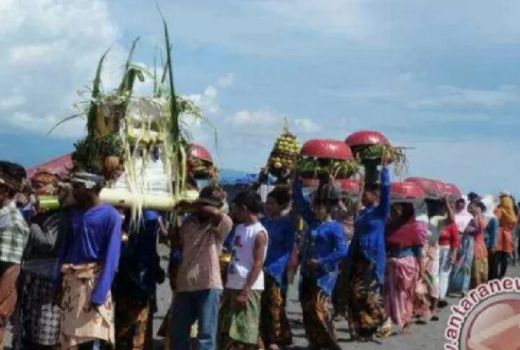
(242, 257)
(462, 220)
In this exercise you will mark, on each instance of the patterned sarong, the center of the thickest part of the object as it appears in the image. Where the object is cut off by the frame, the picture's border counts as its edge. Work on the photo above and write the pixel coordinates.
(274, 326)
(366, 311)
(317, 317)
(133, 324)
(39, 314)
(239, 327)
(480, 272)
(461, 272)
(80, 322)
(444, 271)
(400, 283)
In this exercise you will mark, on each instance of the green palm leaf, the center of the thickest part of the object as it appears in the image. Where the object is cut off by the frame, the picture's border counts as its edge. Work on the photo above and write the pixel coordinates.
(96, 93)
(64, 120)
(128, 76)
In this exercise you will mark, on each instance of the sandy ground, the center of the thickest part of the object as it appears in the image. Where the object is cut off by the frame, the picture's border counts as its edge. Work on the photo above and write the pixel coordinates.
(427, 337)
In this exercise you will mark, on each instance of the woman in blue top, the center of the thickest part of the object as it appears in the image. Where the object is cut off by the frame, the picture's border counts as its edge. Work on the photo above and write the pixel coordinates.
(323, 247)
(368, 258)
(275, 328)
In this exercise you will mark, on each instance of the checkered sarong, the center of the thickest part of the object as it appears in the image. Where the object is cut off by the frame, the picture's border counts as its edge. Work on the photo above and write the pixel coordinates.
(39, 316)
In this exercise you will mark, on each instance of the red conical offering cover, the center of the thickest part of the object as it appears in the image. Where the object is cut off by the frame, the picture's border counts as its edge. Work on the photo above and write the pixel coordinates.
(452, 190)
(407, 190)
(199, 152)
(326, 149)
(350, 186)
(432, 188)
(366, 138)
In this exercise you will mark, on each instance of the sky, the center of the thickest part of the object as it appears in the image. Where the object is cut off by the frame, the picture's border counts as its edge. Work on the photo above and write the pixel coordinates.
(440, 77)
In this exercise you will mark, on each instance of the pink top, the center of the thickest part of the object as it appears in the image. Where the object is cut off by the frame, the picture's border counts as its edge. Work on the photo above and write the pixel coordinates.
(201, 247)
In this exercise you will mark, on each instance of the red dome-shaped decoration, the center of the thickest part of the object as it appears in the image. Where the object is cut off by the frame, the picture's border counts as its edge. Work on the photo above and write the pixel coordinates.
(350, 186)
(327, 149)
(432, 188)
(452, 190)
(407, 190)
(366, 138)
(199, 152)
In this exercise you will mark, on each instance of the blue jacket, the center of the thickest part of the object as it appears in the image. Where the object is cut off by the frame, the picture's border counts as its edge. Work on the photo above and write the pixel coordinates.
(369, 229)
(282, 235)
(324, 241)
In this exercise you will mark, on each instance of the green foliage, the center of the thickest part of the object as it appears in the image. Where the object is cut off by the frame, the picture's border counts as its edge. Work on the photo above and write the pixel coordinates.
(330, 167)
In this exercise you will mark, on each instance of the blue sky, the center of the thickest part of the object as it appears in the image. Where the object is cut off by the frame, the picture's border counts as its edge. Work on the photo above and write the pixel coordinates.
(441, 77)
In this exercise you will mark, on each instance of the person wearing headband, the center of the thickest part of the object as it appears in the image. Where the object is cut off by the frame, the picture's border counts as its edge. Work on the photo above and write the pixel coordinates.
(14, 233)
(90, 253)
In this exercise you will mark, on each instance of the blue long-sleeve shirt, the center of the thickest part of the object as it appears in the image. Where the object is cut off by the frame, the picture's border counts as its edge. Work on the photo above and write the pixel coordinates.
(491, 233)
(324, 241)
(369, 229)
(282, 235)
(95, 237)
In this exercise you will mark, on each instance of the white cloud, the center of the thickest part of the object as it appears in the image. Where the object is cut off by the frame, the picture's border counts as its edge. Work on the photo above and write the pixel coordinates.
(268, 123)
(11, 102)
(50, 49)
(345, 17)
(33, 54)
(454, 97)
(227, 80)
(247, 118)
(307, 125)
(209, 100)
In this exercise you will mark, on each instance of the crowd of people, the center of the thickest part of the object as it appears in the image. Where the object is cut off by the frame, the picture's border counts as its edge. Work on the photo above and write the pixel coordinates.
(84, 276)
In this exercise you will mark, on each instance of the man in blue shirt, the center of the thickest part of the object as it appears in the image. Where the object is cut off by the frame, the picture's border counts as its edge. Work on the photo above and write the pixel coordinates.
(89, 261)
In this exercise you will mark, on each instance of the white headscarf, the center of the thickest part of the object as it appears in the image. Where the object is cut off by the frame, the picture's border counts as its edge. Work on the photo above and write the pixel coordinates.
(463, 218)
(491, 204)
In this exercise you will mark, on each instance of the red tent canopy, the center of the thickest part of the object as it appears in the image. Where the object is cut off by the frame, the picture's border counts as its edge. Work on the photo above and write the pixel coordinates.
(60, 166)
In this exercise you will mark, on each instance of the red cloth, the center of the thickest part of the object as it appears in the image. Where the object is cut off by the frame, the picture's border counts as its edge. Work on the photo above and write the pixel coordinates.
(450, 236)
(409, 235)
